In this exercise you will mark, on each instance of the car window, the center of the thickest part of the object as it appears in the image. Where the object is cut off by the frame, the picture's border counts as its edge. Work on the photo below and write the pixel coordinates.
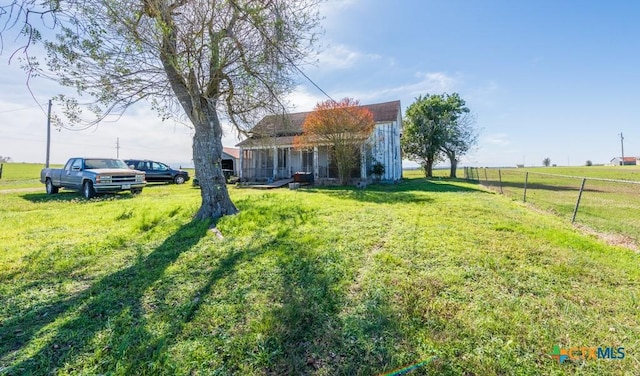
(159, 166)
(69, 163)
(103, 163)
(77, 164)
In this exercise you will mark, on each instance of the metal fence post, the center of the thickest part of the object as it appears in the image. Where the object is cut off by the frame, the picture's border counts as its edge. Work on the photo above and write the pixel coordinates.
(575, 211)
(526, 179)
(1, 166)
(486, 180)
(500, 179)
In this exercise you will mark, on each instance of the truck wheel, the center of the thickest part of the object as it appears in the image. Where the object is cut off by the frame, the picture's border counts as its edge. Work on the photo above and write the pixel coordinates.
(87, 190)
(51, 189)
(179, 179)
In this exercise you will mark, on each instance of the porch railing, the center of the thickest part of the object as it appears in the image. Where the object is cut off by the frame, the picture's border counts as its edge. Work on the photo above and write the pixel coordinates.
(266, 173)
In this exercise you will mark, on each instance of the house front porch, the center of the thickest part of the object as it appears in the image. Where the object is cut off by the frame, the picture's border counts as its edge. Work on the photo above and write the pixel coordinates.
(269, 164)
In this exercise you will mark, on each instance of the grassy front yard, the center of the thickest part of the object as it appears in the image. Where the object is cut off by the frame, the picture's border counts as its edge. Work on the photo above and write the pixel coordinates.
(318, 281)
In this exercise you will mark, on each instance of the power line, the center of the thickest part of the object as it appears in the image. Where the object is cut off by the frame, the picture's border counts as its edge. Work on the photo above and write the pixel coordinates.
(19, 109)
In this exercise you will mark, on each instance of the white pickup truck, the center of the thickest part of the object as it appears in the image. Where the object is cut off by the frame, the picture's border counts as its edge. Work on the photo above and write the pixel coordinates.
(93, 175)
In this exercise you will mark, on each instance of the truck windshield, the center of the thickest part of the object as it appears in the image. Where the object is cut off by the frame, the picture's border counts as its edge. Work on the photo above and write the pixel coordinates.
(90, 164)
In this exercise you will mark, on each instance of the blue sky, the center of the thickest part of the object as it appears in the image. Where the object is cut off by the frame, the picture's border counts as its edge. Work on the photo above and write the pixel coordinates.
(555, 79)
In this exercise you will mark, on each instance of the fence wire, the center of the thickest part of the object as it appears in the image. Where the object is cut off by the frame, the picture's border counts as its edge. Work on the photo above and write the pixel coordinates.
(605, 205)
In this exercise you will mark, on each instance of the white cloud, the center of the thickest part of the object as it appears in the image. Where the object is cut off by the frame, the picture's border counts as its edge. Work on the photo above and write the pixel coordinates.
(303, 100)
(340, 57)
(141, 134)
(485, 95)
(499, 139)
(434, 82)
(331, 7)
(428, 83)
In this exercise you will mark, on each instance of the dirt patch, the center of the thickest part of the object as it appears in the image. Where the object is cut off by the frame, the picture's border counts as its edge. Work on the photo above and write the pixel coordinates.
(611, 239)
(619, 240)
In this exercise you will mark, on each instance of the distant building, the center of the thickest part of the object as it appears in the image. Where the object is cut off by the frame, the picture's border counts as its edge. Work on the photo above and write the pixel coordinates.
(626, 161)
(231, 160)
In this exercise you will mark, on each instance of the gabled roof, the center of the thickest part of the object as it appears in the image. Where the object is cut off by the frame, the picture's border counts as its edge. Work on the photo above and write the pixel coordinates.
(626, 159)
(232, 152)
(284, 125)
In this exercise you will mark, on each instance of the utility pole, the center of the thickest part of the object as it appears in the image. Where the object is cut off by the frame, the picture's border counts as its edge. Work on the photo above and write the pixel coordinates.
(118, 147)
(622, 146)
(48, 134)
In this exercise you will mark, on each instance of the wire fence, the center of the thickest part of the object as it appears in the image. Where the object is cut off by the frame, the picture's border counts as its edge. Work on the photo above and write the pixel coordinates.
(610, 206)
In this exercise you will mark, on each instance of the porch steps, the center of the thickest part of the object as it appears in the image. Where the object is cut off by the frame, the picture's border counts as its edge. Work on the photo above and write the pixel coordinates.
(275, 184)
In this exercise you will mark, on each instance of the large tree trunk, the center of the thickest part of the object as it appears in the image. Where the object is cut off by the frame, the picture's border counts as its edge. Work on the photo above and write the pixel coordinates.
(207, 141)
(454, 165)
(428, 168)
(207, 158)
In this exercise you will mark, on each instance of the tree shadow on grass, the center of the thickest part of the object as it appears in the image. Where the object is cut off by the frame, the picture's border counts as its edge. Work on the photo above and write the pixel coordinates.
(329, 323)
(312, 334)
(74, 196)
(316, 321)
(112, 301)
(406, 191)
(299, 328)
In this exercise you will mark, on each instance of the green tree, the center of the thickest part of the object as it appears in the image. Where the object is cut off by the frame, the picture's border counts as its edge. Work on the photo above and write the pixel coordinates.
(432, 128)
(546, 162)
(208, 60)
(460, 137)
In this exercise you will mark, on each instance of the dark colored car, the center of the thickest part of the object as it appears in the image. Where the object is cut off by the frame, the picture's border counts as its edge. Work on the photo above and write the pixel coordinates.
(157, 171)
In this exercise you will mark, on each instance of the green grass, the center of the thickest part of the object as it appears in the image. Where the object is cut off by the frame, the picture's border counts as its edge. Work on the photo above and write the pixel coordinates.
(605, 172)
(22, 175)
(607, 207)
(323, 281)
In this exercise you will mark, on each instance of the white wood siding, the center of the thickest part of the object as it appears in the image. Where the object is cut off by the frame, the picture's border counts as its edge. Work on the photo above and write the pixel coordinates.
(385, 148)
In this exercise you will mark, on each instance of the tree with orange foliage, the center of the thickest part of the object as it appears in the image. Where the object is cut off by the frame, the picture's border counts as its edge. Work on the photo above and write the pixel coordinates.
(343, 126)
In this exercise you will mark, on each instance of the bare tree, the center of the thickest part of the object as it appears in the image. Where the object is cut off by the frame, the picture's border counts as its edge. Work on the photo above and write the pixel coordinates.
(211, 60)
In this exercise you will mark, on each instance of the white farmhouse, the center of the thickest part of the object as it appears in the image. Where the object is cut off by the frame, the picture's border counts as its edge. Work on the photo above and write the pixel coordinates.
(269, 153)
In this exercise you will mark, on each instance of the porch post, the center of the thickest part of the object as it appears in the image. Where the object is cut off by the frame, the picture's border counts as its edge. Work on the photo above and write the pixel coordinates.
(363, 162)
(289, 157)
(316, 170)
(275, 162)
(241, 167)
